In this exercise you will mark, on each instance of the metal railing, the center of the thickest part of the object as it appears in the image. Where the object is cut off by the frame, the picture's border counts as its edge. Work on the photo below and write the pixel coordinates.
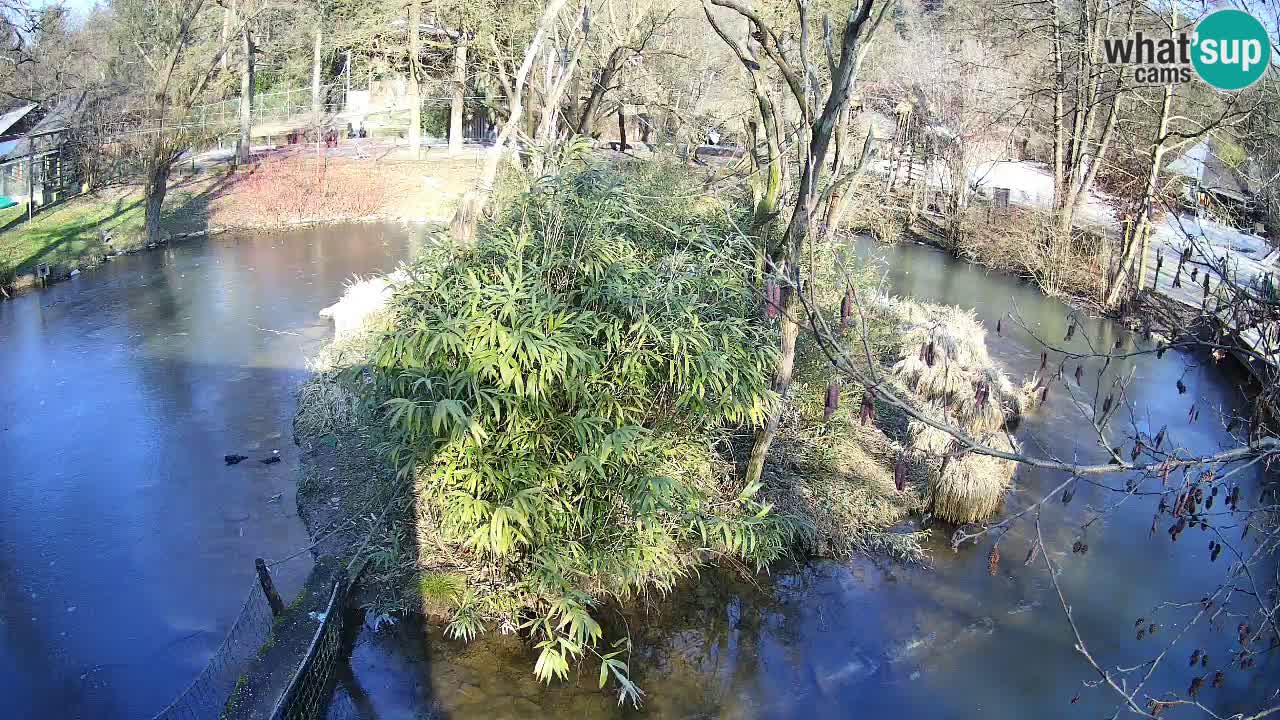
(206, 696)
(311, 687)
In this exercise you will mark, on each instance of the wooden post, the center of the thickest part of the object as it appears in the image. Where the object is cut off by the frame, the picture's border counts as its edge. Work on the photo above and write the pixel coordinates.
(31, 178)
(268, 587)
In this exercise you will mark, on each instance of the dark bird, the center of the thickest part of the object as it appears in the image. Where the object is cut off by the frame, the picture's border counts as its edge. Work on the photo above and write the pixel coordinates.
(270, 460)
(234, 459)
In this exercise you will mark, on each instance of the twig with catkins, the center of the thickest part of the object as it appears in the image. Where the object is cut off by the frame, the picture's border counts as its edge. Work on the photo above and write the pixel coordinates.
(772, 299)
(900, 473)
(868, 410)
(832, 401)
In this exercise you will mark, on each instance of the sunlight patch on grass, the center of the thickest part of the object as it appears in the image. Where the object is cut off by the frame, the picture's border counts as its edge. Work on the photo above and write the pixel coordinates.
(71, 235)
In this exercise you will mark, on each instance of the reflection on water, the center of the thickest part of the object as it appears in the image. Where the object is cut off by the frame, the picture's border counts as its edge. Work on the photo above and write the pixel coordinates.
(126, 545)
(869, 639)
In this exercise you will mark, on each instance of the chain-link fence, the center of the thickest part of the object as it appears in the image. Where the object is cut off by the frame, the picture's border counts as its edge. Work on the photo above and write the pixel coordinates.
(206, 696)
(308, 693)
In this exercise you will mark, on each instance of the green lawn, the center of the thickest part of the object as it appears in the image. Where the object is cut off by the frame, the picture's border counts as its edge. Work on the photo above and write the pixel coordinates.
(69, 235)
(10, 214)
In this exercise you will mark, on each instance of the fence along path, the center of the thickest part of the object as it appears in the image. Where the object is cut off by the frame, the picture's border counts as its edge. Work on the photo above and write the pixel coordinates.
(207, 694)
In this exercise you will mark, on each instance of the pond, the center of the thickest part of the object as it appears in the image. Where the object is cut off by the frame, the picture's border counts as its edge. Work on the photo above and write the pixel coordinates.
(872, 639)
(126, 543)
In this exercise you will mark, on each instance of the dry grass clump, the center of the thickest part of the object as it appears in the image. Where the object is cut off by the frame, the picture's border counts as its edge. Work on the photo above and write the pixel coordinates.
(1026, 241)
(331, 399)
(839, 478)
(837, 475)
(945, 363)
(971, 488)
(962, 488)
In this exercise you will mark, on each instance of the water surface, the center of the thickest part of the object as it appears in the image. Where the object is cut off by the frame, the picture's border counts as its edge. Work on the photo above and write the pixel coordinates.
(126, 544)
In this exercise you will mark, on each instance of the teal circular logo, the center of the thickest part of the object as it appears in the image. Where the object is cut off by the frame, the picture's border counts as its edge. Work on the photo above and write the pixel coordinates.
(1230, 49)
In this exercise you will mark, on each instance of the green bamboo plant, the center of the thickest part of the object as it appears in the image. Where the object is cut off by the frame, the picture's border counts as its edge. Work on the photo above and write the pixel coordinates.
(563, 392)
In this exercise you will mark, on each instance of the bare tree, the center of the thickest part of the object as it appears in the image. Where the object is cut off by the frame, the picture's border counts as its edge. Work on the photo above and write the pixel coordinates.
(174, 47)
(474, 202)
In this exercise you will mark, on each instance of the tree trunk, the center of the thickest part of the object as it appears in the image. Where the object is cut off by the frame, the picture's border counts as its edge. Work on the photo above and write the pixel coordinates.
(798, 231)
(246, 97)
(459, 97)
(586, 117)
(783, 370)
(1136, 240)
(622, 127)
(156, 187)
(415, 98)
(575, 101)
(228, 19)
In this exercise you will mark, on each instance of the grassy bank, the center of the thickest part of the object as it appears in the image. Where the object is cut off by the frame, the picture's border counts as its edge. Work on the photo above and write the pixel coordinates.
(80, 232)
(285, 188)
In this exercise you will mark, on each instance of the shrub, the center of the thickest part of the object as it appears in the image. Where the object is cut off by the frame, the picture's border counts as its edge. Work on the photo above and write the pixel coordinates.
(559, 392)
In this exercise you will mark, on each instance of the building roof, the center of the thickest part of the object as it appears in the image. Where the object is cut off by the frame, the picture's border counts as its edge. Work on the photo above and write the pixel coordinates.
(1211, 172)
(13, 117)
